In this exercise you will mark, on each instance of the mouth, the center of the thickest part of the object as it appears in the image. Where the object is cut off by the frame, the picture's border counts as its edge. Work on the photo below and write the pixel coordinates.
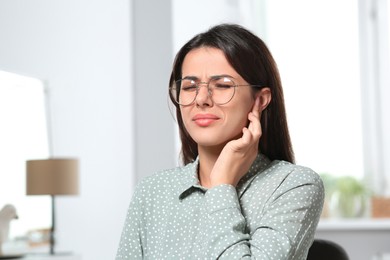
(205, 119)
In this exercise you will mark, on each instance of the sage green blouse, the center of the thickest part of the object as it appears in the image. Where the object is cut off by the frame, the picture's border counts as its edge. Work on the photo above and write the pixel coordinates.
(271, 214)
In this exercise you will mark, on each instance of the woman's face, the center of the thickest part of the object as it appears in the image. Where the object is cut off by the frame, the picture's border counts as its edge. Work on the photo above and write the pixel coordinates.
(209, 124)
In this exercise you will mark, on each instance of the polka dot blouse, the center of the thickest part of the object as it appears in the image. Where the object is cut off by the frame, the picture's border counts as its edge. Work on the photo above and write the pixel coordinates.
(271, 214)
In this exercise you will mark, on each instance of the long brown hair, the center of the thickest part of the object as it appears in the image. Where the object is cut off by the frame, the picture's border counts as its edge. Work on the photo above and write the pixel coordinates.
(251, 58)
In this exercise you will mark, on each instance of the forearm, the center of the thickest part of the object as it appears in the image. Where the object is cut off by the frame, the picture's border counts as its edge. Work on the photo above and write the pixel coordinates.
(225, 229)
(282, 230)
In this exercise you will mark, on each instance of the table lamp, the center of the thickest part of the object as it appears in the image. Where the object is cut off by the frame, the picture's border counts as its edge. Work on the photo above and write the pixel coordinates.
(55, 176)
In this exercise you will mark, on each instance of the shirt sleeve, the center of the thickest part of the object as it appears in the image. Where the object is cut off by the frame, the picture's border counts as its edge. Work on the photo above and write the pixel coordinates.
(283, 229)
(130, 246)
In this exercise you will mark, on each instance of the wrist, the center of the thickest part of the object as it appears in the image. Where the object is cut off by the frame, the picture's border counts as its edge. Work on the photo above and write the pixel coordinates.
(220, 181)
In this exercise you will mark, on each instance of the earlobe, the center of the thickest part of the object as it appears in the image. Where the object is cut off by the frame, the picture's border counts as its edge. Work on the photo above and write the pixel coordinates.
(265, 97)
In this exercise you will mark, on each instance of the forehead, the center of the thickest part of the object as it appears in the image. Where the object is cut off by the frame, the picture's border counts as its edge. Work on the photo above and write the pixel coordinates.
(206, 62)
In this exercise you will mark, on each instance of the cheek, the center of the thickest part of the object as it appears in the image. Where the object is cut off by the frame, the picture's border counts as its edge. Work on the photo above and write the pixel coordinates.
(185, 116)
(238, 113)
(237, 120)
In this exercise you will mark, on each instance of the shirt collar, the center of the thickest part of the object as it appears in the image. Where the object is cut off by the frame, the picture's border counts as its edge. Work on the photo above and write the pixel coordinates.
(190, 180)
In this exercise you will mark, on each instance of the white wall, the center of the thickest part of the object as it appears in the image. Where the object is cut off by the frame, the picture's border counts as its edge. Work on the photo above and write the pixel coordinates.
(194, 16)
(107, 66)
(82, 49)
(154, 125)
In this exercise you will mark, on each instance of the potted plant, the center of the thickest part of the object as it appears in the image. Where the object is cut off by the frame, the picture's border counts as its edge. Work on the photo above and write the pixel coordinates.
(349, 198)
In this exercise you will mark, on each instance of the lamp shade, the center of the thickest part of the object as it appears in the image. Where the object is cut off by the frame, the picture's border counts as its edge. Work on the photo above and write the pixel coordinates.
(52, 177)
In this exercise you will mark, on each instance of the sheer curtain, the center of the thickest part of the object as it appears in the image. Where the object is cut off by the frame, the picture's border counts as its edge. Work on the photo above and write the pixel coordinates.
(316, 45)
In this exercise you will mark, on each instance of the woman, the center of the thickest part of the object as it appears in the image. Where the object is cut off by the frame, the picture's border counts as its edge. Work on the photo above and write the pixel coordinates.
(238, 195)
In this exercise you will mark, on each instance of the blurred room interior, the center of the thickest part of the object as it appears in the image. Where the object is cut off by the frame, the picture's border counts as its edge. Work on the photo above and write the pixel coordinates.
(89, 80)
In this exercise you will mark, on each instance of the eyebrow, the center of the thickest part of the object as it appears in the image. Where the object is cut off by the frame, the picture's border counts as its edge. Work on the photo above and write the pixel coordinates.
(212, 77)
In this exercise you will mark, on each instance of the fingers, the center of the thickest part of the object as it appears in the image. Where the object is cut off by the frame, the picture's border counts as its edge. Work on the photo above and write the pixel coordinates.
(244, 143)
(256, 107)
(254, 118)
(251, 134)
(246, 136)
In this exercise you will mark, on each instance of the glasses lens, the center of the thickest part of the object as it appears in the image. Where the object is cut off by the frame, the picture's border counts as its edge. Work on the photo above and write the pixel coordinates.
(222, 90)
(184, 91)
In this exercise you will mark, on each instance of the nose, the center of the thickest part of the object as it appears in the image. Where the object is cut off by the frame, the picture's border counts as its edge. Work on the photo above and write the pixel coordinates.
(203, 98)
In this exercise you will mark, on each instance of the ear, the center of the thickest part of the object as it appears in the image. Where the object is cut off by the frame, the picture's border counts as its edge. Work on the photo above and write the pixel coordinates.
(265, 97)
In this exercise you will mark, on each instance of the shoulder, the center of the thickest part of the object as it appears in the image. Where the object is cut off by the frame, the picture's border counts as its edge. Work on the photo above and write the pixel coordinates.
(162, 177)
(164, 181)
(297, 181)
(293, 173)
(282, 177)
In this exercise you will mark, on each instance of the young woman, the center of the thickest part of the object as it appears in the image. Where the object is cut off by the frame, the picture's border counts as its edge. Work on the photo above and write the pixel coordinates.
(239, 194)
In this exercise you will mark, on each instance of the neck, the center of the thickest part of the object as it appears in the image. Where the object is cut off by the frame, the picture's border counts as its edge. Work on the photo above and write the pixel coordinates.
(207, 158)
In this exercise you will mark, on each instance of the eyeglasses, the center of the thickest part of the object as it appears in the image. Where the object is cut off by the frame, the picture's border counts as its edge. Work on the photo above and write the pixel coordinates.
(220, 89)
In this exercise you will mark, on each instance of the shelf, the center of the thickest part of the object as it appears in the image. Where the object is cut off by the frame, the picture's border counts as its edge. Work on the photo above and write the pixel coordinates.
(52, 257)
(354, 224)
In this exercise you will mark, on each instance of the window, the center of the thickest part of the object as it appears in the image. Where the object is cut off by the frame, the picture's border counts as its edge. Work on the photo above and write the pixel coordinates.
(316, 46)
(23, 136)
(375, 73)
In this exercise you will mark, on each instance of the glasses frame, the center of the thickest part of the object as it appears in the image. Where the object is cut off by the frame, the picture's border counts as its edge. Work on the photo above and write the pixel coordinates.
(174, 91)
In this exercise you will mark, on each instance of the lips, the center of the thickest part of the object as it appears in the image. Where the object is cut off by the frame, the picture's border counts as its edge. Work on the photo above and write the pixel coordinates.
(205, 119)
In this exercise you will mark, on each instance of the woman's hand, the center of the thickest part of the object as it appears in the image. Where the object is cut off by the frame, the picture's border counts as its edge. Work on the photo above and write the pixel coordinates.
(238, 155)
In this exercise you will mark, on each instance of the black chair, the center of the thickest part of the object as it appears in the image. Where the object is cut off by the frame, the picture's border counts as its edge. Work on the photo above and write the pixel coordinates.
(326, 250)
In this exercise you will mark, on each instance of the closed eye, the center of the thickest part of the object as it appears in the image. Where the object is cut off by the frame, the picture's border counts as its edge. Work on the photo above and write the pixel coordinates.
(223, 86)
(189, 88)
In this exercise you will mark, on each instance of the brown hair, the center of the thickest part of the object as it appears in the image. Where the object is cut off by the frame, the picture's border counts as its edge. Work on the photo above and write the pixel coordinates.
(250, 57)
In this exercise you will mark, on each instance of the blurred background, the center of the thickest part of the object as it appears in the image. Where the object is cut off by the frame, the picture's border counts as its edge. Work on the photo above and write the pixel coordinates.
(89, 79)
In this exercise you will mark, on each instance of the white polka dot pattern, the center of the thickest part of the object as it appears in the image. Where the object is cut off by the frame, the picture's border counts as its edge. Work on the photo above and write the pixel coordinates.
(271, 214)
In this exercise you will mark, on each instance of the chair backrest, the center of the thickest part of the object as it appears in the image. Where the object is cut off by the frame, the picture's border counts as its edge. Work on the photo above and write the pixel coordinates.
(325, 250)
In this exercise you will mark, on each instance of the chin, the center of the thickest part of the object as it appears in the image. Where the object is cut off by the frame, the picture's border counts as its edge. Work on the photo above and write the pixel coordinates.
(213, 140)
